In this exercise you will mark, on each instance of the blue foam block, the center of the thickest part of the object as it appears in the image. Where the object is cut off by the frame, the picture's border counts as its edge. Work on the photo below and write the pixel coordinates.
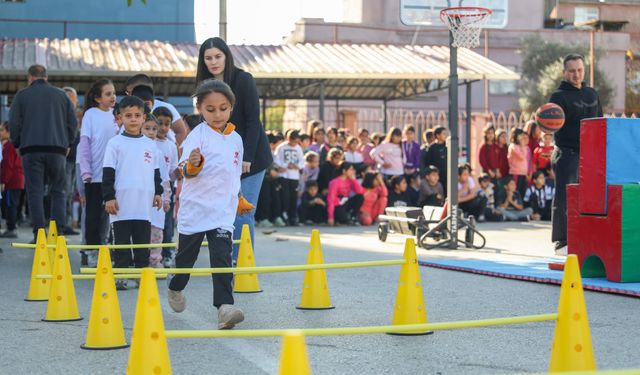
(623, 151)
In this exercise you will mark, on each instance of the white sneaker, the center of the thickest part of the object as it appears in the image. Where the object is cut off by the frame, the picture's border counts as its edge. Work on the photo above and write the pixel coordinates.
(177, 300)
(92, 259)
(279, 222)
(265, 224)
(229, 316)
(563, 251)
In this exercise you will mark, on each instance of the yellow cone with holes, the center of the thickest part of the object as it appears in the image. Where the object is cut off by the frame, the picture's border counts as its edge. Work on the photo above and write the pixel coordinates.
(39, 289)
(52, 238)
(315, 290)
(246, 283)
(572, 349)
(62, 305)
(409, 307)
(149, 352)
(293, 358)
(105, 322)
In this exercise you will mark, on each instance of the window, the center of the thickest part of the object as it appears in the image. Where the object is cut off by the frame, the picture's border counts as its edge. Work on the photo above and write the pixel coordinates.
(504, 87)
(584, 14)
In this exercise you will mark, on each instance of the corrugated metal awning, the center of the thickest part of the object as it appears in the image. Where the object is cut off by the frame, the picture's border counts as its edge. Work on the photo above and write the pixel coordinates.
(347, 71)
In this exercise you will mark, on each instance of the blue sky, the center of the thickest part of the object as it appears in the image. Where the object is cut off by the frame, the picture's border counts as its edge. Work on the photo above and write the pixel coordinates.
(266, 22)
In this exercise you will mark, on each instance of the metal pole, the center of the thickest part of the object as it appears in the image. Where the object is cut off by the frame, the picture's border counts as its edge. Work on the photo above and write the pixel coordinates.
(223, 19)
(592, 63)
(467, 134)
(321, 106)
(165, 90)
(452, 147)
(65, 29)
(264, 112)
(486, 81)
(385, 119)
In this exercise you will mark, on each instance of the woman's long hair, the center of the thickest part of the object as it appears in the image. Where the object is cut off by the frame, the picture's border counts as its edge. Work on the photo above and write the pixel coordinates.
(203, 73)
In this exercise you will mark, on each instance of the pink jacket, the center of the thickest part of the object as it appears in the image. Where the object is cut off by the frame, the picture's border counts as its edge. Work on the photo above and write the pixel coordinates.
(389, 153)
(519, 160)
(341, 188)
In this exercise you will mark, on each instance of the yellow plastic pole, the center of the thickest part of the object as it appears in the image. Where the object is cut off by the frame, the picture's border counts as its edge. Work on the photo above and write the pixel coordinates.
(121, 276)
(262, 269)
(19, 245)
(193, 334)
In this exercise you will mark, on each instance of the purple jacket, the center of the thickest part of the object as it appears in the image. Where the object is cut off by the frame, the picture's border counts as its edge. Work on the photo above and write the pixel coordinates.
(412, 154)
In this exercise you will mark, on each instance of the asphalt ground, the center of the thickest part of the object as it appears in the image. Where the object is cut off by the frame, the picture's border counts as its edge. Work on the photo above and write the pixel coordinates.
(362, 297)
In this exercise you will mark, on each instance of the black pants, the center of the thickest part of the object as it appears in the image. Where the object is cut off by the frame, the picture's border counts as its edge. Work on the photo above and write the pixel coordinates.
(566, 166)
(290, 199)
(41, 168)
(544, 212)
(475, 206)
(219, 256)
(314, 212)
(349, 210)
(521, 184)
(10, 204)
(96, 218)
(127, 232)
(168, 231)
(269, 203)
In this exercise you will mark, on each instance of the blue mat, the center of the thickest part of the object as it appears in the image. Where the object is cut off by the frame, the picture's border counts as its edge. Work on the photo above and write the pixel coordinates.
(535, 270)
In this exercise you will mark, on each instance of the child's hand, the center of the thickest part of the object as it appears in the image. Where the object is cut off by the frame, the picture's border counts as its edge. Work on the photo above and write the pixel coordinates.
(166, 206)
(386, 165)
(331, 222)
(157, 202)
(195, 157)
(281, 170)
(111, 207)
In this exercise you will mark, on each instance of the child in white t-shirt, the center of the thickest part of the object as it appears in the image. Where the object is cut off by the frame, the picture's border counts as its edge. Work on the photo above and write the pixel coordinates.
(150, 130)
(289, 160)
(131, 186)
(211, 163)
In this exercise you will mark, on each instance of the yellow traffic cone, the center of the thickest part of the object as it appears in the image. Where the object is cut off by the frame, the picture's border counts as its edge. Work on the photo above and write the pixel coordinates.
(293, 358)
(52, 239)
(62, 304)
(248, 282)
(149, 352)
(409, 307)
(105, 322)
(39, 289)
(572, 349)
(315, 291)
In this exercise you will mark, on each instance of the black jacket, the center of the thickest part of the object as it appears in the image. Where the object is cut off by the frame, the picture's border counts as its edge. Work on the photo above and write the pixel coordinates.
(437, 156)
(42, 119)
(246, 118)
(578, 104)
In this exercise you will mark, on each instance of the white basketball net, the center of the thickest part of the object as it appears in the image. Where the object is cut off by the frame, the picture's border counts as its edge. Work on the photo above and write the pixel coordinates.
(465, 24)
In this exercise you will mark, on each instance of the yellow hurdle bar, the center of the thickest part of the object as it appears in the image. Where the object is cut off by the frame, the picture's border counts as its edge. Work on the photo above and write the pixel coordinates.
(119, 276)
(193, 334)
(115, 247)
(263, 269)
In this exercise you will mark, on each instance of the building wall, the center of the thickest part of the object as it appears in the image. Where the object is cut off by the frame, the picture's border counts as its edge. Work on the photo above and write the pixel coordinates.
(118, 16)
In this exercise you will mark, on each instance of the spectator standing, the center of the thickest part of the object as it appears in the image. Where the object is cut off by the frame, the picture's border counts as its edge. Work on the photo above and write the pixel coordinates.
(389, 155)
(488, 153)
(411, 150)
(289, 160)
(427, 140)
(70, 167)
(519, 156)
(365, 148)
(318, 141)
(11, 181)
(535, 134)
(43, 127)
(437, 155)
(353, 155)
(542, 154)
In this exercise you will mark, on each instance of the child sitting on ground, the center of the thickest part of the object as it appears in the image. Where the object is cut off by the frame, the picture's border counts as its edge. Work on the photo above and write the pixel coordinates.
(375, 198)
(313, 209)
(539, 197)
(431, 191)
(487, 192)
(511, 207)
(398, 196)
(470, 202)
(212, 164)
(310, 170)
(131, 186)
(413, 188)
(345, 197)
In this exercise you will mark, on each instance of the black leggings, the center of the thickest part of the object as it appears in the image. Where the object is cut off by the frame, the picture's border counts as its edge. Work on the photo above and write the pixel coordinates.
(349, 210)
(127, 232)
(219, 256)
(290, 199)
(95, 220)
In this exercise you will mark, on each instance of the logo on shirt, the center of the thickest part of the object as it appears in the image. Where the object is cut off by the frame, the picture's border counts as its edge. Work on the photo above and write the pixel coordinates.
(221, 233)
(148, 156)
(236, 158)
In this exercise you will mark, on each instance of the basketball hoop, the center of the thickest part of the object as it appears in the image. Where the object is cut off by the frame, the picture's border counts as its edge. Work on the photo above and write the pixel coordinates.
(465, 24)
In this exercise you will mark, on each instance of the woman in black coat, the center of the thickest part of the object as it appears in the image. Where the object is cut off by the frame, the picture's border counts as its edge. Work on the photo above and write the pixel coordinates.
(216, 61)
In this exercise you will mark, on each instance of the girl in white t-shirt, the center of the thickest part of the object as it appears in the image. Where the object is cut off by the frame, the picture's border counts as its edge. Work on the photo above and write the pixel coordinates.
(98, 127)
(211, 162)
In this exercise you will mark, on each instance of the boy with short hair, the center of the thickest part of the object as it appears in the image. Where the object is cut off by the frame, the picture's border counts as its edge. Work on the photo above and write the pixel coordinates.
(289, 159)
(310, 170)
(512, 206)
(539, 197)
(436, 154)
(305, 142)
(145, 93)
(431, 190)
(131, 186)
(313, 209)
(486, 190)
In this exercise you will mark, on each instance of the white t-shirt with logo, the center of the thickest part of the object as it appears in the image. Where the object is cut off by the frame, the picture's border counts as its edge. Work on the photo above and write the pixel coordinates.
(158, 216)
(170, 153)
(210, 199)
(285, 155)
(99, 127)
(135, 160)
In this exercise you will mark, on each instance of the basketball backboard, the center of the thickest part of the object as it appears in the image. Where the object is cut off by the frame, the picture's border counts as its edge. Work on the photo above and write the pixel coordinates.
(427, 12)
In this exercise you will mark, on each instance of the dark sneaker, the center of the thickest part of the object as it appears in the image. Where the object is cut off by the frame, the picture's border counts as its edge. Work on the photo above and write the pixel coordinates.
(9, 234)
(121, 284)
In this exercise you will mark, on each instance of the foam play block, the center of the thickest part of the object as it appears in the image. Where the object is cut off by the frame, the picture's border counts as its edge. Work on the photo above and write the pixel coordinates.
(623, 151)
(606, 245)
(593, 166)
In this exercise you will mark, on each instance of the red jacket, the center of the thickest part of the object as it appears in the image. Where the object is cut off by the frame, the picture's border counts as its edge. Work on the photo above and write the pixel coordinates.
(503, 161)
(542, 157)
(11, 174)
(488, 157)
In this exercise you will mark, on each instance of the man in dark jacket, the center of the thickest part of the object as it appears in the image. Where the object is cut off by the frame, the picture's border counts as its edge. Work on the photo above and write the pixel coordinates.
(43, 126)
(578, 102)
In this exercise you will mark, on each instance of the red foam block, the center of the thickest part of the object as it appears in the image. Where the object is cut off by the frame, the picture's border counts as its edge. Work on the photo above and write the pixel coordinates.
(593, 166)
(599, 235)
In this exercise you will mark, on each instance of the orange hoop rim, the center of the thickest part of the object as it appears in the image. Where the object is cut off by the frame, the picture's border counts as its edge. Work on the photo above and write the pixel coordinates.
(479, 11)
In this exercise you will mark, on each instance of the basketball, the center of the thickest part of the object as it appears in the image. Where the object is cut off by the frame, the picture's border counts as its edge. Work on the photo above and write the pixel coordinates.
(550, 117)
